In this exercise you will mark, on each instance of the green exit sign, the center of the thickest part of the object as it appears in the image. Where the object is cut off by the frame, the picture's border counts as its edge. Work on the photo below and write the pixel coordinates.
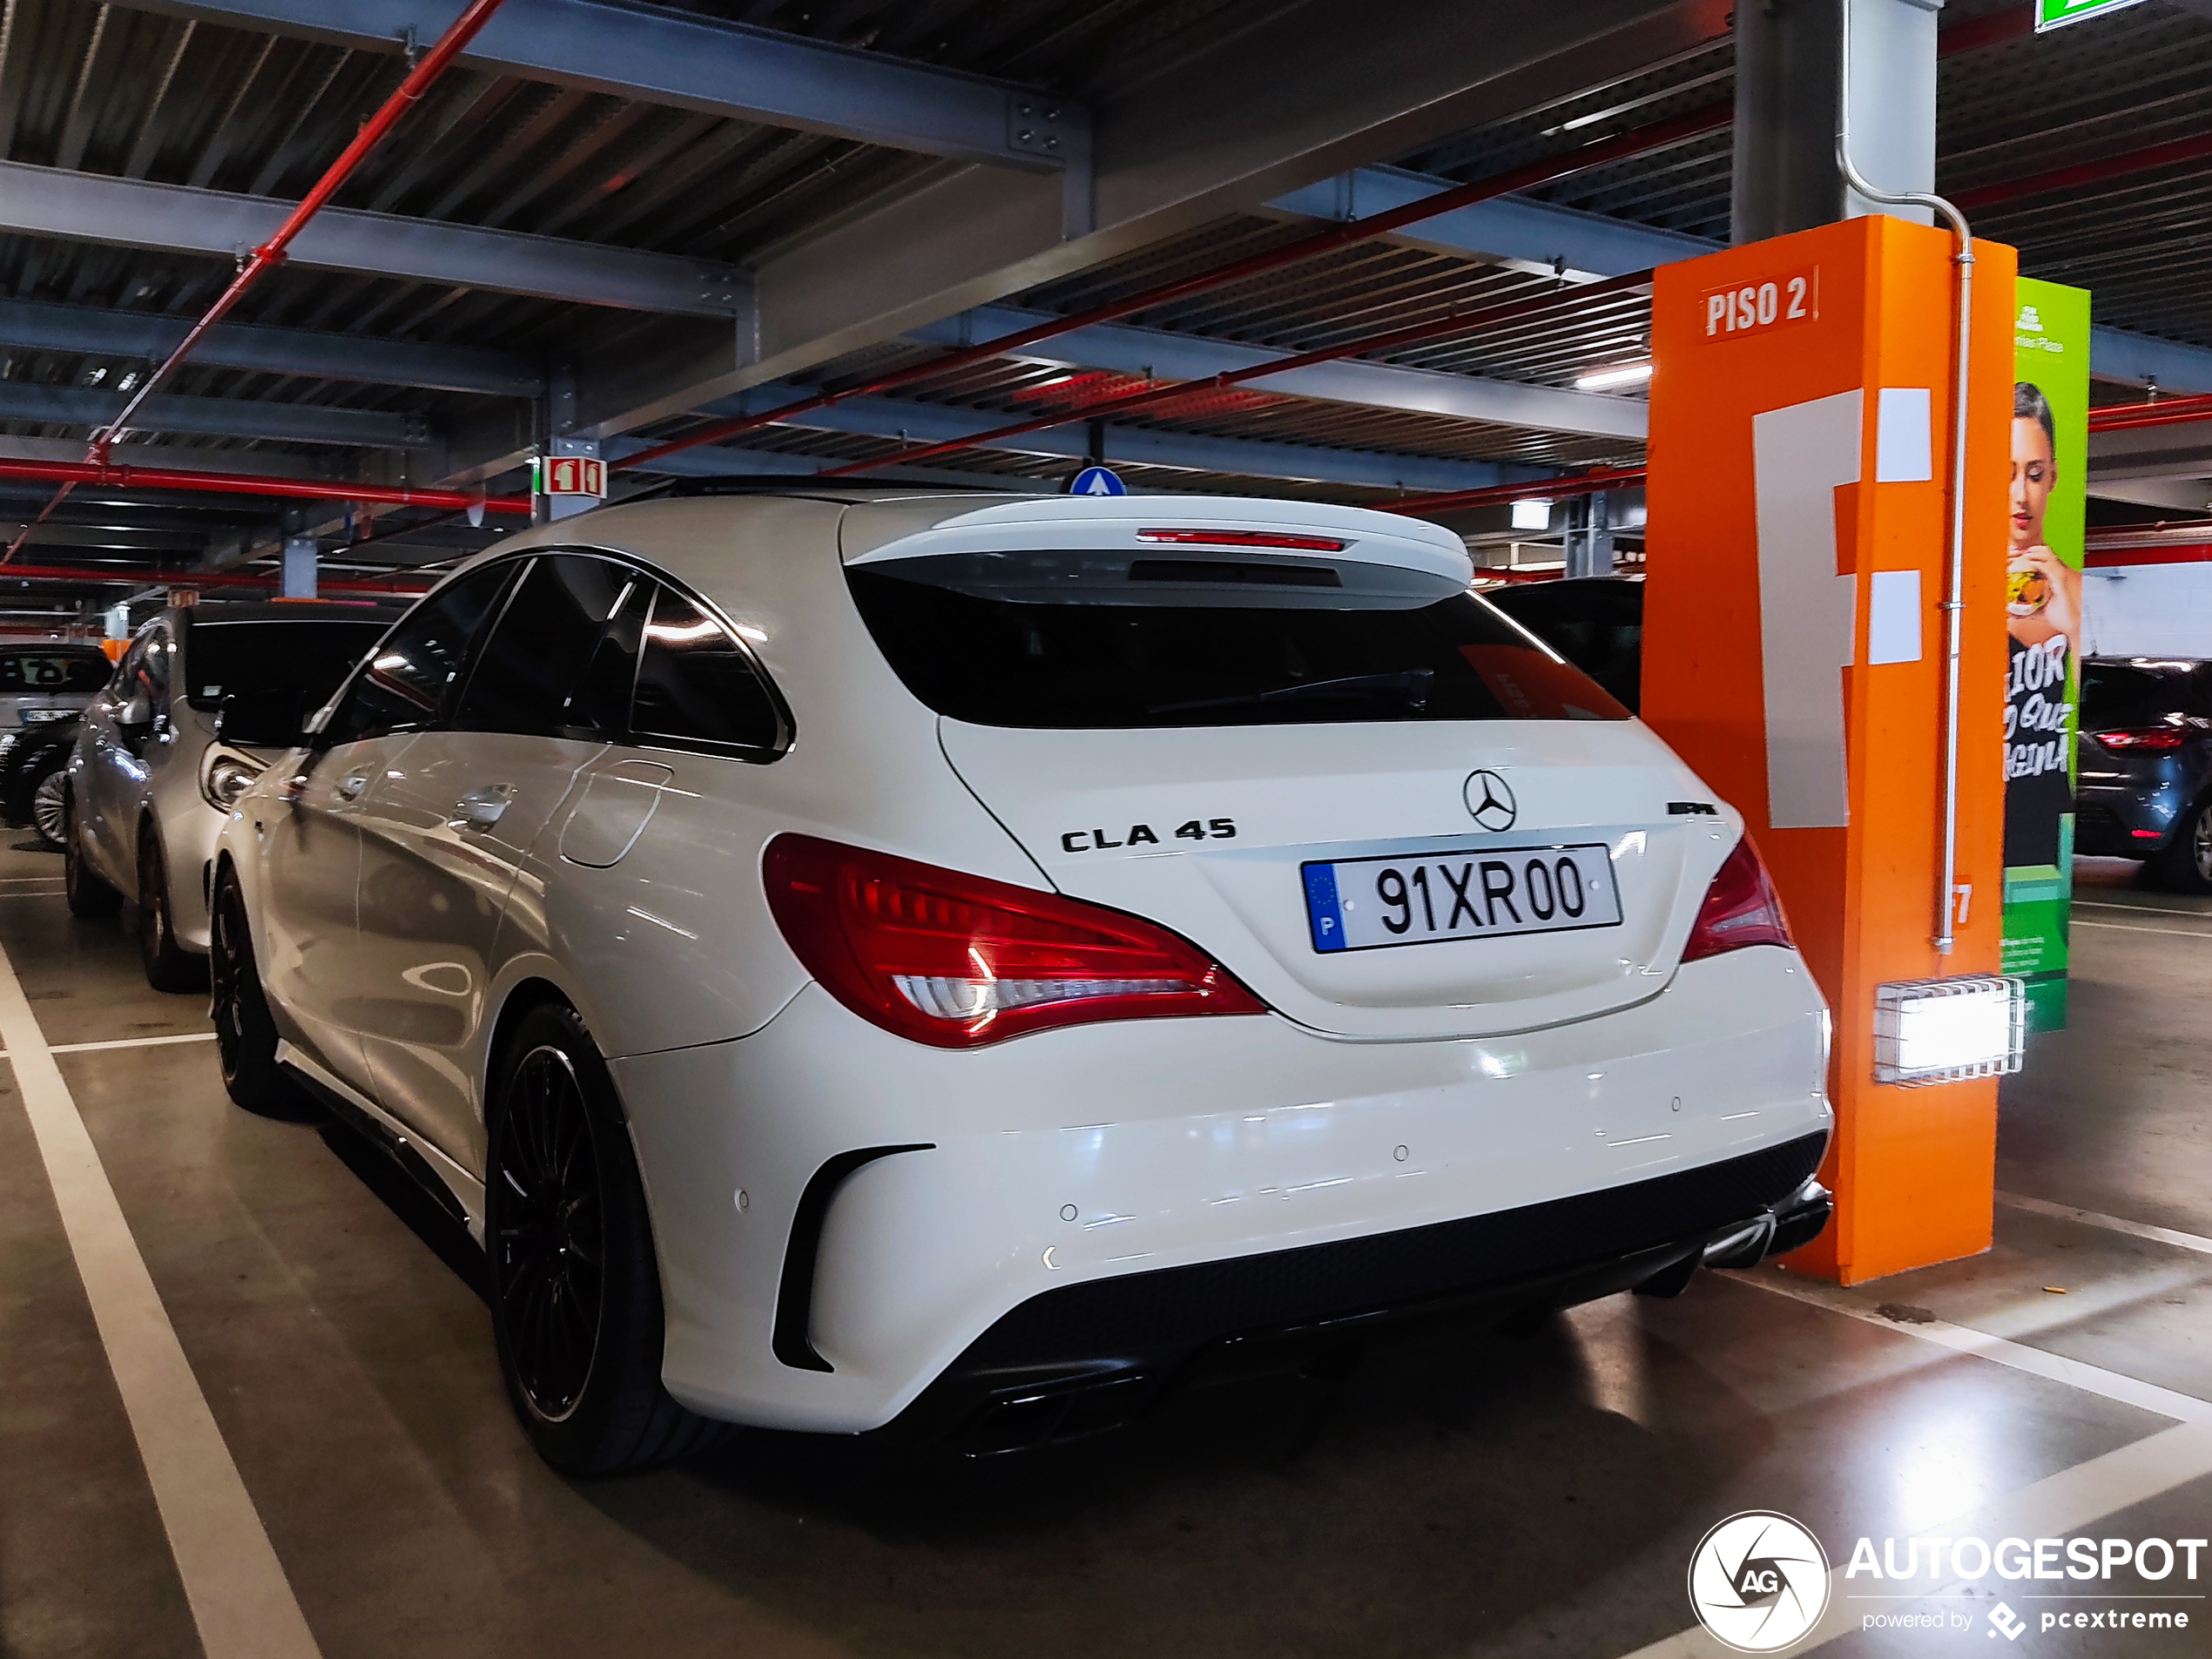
(2056, 14)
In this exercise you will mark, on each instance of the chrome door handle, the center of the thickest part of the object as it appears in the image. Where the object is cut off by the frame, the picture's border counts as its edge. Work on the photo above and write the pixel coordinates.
(350, 786)
(482, 808)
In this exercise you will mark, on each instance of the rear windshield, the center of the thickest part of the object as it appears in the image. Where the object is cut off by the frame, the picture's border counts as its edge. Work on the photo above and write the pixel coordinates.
(310, 656)
(54, 671)
(1143, 643)
(2114, 694)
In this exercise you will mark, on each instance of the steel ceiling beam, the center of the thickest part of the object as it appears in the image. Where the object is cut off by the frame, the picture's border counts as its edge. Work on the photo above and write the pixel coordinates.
(1538, 236)
(99, 332)
(1130, 350)
(131, 213)
(224, 417)
(897, 419)
(685, 61)
(1297, 95)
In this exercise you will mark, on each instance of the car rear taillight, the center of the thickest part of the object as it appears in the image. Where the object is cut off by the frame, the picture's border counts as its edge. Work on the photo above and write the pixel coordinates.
(1741, 908)
(2147, 737)
(959, 960)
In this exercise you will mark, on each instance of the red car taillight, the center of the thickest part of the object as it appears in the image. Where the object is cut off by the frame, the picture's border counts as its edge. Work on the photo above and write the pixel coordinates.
(2149, 737)
(1741, 908)
(959, 960)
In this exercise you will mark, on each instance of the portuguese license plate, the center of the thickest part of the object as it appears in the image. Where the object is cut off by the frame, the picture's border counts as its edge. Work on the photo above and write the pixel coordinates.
(1372, 904)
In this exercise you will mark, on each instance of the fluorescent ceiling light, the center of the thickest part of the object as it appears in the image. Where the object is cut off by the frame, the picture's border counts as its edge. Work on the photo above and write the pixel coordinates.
(1531, 515)
(1626, 375)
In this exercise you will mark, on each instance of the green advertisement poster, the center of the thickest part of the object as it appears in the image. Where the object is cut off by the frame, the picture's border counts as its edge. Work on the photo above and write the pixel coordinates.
(2043, 615)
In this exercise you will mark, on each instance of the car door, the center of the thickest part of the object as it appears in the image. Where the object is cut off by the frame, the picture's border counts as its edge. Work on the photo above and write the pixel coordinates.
(445, 829)
(311, 847)
(128, 728)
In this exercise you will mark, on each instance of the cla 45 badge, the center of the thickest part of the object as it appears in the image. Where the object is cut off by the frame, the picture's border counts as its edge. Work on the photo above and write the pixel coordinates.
(1099, 840)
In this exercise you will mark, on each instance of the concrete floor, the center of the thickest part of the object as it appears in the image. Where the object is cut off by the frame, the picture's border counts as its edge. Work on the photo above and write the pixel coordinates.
(1467, 1495)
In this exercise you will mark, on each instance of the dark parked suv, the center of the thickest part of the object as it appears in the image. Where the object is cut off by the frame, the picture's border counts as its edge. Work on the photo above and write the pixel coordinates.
(2145, 778)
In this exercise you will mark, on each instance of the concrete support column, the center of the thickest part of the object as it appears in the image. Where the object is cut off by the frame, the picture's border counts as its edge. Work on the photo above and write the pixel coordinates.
(299, 567)
(1786, 77)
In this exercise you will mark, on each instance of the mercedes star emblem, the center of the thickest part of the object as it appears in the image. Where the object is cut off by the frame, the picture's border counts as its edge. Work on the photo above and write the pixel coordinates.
(1490, 798)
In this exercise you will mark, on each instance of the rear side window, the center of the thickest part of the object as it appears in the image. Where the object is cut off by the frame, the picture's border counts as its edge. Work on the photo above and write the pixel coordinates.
(408, 683)
(61, 671)
(526, 677)
(696, 684)
(1084, 640)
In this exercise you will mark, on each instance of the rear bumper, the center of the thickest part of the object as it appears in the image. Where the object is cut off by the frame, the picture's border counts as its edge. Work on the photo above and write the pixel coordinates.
(1052, 1180)
(1086, 1356)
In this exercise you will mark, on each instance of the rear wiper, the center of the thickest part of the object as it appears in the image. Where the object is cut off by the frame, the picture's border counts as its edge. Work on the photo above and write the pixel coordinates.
(1409, 689)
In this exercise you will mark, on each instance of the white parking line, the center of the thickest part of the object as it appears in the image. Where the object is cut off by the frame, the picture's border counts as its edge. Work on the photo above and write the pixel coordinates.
(2142, 909)
(123, 1043)
(2128, 928)
(241, 1602)
(2111, 1224)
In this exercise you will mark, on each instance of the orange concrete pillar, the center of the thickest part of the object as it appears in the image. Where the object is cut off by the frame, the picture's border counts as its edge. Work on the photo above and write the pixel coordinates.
(1794, 653)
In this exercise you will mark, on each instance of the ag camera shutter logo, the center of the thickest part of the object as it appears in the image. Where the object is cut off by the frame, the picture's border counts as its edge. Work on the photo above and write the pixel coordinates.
(1758, 1582)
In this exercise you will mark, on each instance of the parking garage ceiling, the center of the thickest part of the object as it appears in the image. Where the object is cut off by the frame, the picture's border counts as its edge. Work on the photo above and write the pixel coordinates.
(623, 220)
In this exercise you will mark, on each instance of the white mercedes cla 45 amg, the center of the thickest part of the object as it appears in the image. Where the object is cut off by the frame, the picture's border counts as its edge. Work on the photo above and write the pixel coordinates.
(972, 963)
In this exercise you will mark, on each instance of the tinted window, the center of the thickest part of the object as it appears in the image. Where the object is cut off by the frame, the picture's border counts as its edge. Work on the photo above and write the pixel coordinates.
(309, 656)
(696, 683)
(601, 701)
(2116, 694)
(60, 671)
(409, 681)
(1143, 654)
(1597, 625)
(526, 677)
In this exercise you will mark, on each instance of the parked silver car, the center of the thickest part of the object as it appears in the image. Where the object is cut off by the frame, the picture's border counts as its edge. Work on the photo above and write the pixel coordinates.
(203, 699)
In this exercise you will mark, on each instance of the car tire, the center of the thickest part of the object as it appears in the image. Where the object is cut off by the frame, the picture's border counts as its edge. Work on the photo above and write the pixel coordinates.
(49, 807)
(246, 1032)
(574, 1288)
(2186, 864)
(169, 965)
(87, 895)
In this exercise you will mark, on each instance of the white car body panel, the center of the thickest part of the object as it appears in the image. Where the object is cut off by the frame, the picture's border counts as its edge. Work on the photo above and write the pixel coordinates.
(1511, 1072)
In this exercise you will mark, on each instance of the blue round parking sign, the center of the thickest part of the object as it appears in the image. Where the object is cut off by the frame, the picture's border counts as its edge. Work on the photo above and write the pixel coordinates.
(1096, 480)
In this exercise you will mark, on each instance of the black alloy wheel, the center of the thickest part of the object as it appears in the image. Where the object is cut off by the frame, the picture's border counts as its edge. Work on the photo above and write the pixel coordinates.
(550, 1250)
(575, 1285)
(86, 894)
(2185, 865)
(169, 965)
(246, 1032)
(50, 808)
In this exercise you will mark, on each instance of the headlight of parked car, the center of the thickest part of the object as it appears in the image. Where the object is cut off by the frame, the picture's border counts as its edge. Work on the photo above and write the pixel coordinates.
(42, 716)
(227, 776)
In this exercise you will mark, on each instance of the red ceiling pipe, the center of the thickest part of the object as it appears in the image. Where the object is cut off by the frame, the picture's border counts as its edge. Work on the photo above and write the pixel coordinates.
(1635, 142)
(2087, 173)
(1115, 402)
(2164, 411)
(74, 473)
(1581, 484)
(182, 578)
(271, 253)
